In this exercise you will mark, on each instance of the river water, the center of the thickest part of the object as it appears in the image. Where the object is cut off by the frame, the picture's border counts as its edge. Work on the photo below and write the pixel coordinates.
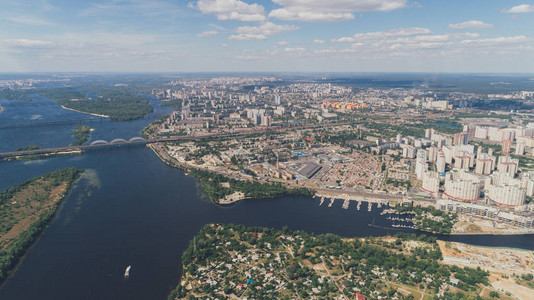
(129, 208)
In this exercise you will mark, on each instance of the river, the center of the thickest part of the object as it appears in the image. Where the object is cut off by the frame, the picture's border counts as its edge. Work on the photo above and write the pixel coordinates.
(130, 208)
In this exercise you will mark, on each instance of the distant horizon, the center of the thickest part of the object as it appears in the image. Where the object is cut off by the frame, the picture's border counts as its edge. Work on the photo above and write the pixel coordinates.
(266, 72)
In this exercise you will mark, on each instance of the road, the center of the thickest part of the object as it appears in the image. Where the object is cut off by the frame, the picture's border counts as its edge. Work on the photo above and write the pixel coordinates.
(159, 139)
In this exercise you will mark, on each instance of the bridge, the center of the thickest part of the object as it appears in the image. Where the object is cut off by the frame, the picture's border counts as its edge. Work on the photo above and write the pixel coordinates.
(99, 144)
(94, 145)
(136, 139)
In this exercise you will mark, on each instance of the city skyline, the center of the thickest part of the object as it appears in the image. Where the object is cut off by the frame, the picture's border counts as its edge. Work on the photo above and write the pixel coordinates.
(267, 36)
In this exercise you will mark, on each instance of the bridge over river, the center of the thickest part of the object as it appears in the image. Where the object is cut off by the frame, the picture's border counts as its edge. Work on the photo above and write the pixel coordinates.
(95, 145)
(142, 141)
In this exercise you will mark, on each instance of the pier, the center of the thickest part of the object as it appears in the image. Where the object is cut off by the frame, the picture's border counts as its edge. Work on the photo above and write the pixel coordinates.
(331, 202)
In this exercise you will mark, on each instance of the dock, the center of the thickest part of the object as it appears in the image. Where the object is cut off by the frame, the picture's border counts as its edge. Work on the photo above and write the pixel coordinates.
(346, 204)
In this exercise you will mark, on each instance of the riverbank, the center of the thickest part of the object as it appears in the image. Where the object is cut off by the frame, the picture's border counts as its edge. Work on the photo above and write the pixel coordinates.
(221, 188)
(25, 211)
(510, 269)
(41, 156)
(84, 112)
(468, 224)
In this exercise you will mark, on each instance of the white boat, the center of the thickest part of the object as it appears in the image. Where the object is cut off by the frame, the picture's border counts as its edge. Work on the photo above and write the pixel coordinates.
(127, 272)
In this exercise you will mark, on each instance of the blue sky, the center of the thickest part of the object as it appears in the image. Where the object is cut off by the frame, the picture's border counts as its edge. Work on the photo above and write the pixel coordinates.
(267, 35)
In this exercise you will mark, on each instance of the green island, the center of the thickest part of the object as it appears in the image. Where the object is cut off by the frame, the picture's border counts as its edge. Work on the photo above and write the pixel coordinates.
(430, 219)
(81, 134)
(25, 212)
(29, 147)
(236, 262)
(217, 187)
(117, 103)
(29, 157)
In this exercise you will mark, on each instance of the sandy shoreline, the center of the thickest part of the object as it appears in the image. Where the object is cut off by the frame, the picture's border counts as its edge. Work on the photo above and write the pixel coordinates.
(83, 112)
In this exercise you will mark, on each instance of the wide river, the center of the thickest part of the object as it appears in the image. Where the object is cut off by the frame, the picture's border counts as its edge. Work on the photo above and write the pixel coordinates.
(130, 208)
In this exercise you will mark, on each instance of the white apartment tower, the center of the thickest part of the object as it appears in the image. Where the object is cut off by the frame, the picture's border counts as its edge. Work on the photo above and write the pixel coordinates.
(420, 163)
(440, 163)
(431, 182)
(462, 185)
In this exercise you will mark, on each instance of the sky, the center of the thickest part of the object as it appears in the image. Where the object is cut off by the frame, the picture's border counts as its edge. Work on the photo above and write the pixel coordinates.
(452, 36)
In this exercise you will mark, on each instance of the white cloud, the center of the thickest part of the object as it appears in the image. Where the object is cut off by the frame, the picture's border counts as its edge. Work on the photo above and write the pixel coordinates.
(409, 42)
(283, 43)
(498, 41)
(27, 43)
(294, 49)
(260, 32)
(418, 45)
(207, 33)
(336, 51)
(29, 20)
(330, 11)
(247, 37)
(383, 34)
(523, 8)
(249, 57)
(318, 41)
(416, 5)
(266, 28)
(284, 14)
(232, 10)
(470, 24)
(442, 37)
